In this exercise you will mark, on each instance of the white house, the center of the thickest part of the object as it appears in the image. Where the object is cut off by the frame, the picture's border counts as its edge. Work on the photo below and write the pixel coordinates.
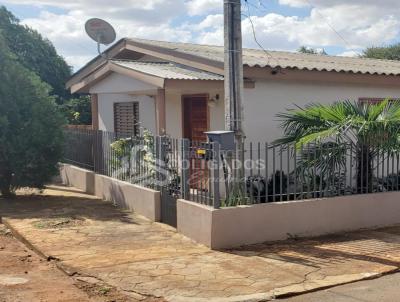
(178, 89)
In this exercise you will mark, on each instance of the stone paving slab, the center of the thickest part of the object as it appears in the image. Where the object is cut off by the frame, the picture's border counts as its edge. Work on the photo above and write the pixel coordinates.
(127, 251)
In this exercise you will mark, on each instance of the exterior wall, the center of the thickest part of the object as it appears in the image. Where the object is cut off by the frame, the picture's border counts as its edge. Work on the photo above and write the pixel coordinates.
(242, 225)
(138, 199)
(119, 88)
(173, 113)
(261, 104)
(174, 110)
(117, 83)
(147, 113)
(271, 97)
(76, 177)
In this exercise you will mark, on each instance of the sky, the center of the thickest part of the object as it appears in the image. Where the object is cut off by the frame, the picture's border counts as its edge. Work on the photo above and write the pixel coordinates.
(340, 27)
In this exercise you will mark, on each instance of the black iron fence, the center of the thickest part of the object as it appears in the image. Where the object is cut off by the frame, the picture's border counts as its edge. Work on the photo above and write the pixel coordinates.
(78, 147)
(201, 172)
(129, 159)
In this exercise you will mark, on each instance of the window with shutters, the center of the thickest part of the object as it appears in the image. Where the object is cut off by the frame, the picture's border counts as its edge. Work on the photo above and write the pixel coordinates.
(126, 119)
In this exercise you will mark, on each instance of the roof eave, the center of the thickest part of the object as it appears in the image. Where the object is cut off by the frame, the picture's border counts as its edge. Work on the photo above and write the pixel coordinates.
(96, 63)
(109, 67)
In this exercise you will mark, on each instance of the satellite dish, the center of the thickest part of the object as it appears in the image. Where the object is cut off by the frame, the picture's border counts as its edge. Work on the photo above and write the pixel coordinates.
(100, 31)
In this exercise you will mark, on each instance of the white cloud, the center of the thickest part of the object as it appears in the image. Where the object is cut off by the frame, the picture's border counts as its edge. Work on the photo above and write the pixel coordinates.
(201, 7)
(294, 3)
(70, 38)
(211, 21)
(361, 23)
(330, 3)
(142, 11)
(349, 53)
(357, 24)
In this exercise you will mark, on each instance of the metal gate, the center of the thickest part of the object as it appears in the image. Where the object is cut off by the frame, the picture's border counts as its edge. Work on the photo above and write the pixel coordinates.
(169, 178)
(183, 173)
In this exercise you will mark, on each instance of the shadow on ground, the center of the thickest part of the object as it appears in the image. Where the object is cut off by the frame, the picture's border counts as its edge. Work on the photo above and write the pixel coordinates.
(380, 246)
(72, 204)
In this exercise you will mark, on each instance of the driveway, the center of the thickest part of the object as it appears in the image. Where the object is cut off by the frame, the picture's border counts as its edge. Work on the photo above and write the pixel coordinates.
(93, 238)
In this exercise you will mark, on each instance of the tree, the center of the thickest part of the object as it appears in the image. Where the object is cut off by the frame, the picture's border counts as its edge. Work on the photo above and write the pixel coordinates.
(30, 127)
(391, 52)
(78, 111)
(35, 53)
(39, 55)
(369, 129)
(310, 50)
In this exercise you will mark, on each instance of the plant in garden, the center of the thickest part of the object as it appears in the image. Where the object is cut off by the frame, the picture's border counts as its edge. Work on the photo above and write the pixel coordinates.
(367, 128)
(30, 127)
(134, 157)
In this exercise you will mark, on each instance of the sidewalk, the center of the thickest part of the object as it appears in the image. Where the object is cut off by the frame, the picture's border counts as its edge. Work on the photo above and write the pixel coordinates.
(93, 238)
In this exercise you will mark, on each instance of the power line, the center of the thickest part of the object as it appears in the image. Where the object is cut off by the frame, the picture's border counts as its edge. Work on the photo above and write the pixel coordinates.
(261, 4)
(349, 46)
(331, 27)
(270, 56)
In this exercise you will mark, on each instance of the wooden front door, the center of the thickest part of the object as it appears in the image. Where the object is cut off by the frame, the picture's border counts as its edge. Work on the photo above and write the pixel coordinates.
(195, 123)
(195, 118)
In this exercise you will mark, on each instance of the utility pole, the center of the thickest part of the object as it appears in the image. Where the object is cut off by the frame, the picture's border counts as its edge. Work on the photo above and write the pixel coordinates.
(234, 79)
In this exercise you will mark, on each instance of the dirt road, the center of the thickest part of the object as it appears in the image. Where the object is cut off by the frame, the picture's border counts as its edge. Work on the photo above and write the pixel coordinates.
(24, 276)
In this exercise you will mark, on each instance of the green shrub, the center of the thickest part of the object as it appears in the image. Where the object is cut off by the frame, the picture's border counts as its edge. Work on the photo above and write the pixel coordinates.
(30, 127)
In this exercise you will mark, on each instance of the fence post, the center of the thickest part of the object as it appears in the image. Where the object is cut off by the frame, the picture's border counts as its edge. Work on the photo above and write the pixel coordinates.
(215, 176)
(185, 168)
(158, 147)
(97, 152)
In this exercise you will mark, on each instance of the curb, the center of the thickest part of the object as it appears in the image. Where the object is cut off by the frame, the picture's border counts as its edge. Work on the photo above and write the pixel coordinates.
(69, 271)
(22, 239)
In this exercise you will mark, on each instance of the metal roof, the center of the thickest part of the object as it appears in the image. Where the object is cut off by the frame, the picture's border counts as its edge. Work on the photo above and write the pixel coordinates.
(283, 59)
(168, 70)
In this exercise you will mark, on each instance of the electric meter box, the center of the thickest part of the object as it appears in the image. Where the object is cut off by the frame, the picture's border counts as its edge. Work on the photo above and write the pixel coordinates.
(226, 139)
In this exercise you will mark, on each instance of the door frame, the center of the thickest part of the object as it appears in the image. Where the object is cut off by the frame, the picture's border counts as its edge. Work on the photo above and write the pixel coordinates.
(206, 96)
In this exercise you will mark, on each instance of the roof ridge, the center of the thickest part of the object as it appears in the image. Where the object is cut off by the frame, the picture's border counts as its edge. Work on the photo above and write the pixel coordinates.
(272, 51)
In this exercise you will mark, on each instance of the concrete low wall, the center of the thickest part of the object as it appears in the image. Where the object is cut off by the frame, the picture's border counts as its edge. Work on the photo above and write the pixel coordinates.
(241, 225)
(77, 177)
(138, 199)
(195, 221)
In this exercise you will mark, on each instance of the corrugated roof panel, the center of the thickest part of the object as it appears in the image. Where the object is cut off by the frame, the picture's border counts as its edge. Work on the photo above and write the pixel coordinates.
(282, 59)
(168, 70)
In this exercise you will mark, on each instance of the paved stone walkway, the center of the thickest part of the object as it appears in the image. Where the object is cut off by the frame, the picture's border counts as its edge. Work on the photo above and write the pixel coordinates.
(147, 259)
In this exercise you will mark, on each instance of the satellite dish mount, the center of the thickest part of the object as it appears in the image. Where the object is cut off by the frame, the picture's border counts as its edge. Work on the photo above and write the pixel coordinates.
(100, 31)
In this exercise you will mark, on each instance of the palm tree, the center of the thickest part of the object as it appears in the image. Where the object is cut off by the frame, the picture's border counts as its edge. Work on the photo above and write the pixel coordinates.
(368, 129)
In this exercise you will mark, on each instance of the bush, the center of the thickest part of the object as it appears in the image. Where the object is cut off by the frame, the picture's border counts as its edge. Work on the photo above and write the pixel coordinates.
(30, 127)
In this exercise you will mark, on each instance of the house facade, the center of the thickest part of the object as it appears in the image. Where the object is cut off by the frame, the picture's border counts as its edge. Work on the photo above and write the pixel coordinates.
(178, 89)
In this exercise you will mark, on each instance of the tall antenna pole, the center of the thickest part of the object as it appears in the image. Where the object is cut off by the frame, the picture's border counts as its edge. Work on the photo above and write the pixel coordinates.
(234, 78)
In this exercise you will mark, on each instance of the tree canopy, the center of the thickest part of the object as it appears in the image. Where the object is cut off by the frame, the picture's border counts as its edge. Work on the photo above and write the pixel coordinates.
(38, 55)
(30, 126)
(35, 53)
(310, 50)
(391, 52)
